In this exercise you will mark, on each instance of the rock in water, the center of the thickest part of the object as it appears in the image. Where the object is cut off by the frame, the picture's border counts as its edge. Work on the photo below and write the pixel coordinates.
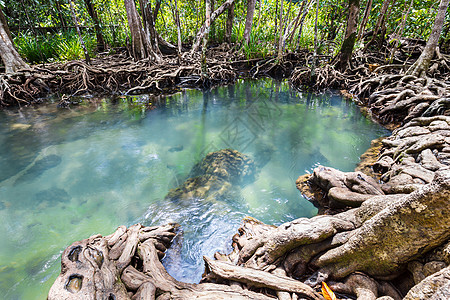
(39, 167)
(214, 176)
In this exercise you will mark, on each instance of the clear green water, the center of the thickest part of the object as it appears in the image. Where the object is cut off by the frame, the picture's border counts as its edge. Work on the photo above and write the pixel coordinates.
(68, 174)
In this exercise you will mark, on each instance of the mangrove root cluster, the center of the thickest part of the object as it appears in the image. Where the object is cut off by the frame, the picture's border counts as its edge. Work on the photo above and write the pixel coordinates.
(115, 74)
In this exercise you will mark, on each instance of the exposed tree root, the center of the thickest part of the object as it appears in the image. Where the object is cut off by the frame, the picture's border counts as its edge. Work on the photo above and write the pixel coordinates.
(115, 74)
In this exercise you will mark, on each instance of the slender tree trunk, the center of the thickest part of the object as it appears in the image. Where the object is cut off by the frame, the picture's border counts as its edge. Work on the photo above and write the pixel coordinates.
(205, 29)
(345, 54)
(287, 28)
(399, 33)
(249, 20)
(229, 23)
(364, 20)
(314, 62)
(297, 20)
(280, 38)
(380, 23)
(156, 10)
(421, 65)
(83, 45)
(205, 38)
(11, 58)
(60, 15)
(302, 21)
(259, 14)
(98, 32)
(176, 18)
(212, 29)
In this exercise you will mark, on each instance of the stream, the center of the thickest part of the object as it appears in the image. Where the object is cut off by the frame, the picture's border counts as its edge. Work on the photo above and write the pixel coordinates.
(66, 174)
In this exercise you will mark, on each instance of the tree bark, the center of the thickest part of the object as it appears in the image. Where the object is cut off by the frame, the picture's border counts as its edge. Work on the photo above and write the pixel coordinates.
(249, 20)
(280, 38)
(204, 29)
(60, 15)
(83, 45)
(141, 45)
(150, 35)
(420, 67)
(11, 58)
(380, 23)
(364, 20)
(302, 21)
(229, 23)
(207, 25)
(98, 31)
(176, 18)
(5, 25)
(345, 54)
(314, 62)
(398, 34)
(296, 22)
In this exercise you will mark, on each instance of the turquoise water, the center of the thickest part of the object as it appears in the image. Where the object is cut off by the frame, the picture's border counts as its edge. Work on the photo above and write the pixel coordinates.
(68, 174)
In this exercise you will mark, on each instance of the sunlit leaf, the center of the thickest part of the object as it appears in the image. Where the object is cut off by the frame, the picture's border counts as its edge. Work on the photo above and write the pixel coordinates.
(327, 293)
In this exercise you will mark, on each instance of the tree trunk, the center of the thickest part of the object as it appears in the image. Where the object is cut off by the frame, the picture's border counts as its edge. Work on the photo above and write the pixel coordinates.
(204, 29)
(280, 38)
(10, 56)
(420, 67)
(249, 20)
(345, 54)
(364, 20)
(380, 23)
(177, 21)
(205, 38)
(5, 25)
(98, 32)
(151, 36)
(314, 62)
(141, 46)
(229, 24)
(398, 34)
(83, 45)
(296, 23)
(60, 15)
(302, 21)
(156, 10)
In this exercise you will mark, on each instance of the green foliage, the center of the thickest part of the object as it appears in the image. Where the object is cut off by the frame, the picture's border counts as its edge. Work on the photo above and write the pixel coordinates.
(36, 49)
(69, 46)
(53, 47)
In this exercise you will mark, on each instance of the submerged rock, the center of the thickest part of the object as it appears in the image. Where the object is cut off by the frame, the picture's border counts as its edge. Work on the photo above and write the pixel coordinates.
(214, 176)
(39, 167)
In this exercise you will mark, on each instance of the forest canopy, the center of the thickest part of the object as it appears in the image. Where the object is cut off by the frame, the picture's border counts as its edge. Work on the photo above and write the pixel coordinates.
(45, 31)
